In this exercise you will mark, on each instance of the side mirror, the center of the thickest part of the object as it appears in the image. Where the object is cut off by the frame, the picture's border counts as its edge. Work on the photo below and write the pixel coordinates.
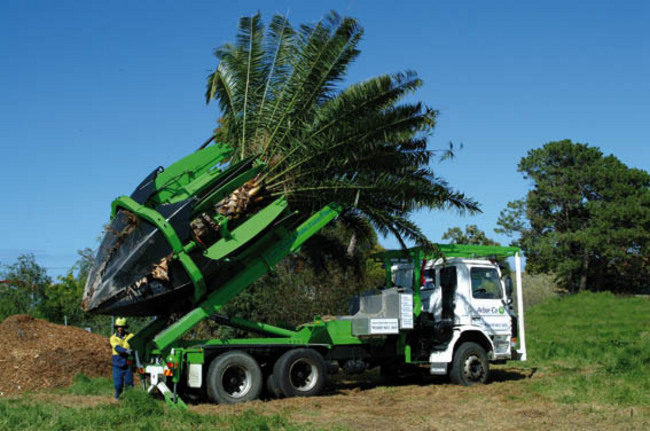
(509, 286)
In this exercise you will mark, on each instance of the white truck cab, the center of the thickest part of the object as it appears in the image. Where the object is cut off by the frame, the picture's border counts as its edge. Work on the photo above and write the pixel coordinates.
(467, 305)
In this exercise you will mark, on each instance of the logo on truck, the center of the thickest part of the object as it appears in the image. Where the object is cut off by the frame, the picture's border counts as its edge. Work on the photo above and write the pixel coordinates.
(491, 310)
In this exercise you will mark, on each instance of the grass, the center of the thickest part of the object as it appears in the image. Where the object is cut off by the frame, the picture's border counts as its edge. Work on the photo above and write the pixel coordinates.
(596, 348)
(72, 409)
(84, 385)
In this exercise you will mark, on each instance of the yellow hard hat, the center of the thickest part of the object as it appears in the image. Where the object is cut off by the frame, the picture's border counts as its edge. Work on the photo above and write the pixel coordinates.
(121, 321)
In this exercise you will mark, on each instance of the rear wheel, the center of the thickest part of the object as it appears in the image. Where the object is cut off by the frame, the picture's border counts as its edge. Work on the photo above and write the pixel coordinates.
(234, 377)
(470, 365)
(300, 373)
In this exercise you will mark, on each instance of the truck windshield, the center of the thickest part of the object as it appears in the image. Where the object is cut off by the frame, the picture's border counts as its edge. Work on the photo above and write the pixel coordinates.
(486, 283)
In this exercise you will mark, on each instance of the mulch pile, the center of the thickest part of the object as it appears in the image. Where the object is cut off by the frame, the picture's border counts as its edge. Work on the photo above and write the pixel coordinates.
(36, 354)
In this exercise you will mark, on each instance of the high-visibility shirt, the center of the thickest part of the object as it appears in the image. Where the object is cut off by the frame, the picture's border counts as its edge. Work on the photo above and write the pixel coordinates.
(119, 345)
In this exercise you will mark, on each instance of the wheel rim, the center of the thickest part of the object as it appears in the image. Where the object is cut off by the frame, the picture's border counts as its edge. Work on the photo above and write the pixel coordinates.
(236, 381)
(473, 369)
(303, 375)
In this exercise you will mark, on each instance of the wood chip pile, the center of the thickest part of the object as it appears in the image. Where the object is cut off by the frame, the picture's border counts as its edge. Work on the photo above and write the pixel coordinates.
(36, 354)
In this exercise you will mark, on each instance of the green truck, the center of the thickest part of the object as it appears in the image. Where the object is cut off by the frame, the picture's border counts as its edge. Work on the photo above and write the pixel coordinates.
(171, 252)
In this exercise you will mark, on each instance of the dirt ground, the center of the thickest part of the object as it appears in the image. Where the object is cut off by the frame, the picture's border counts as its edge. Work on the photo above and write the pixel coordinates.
(422, 404)
(434, 404)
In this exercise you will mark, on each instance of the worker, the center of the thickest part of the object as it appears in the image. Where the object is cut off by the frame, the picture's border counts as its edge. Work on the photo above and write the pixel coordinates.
(122, 375)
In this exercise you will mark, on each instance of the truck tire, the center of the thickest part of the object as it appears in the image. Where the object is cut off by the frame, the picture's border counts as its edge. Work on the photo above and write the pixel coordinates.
(470, 365)
(234, 377)
(300, 373)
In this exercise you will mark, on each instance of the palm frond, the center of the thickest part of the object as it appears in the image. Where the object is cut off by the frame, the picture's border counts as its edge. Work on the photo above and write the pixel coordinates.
(361, 146)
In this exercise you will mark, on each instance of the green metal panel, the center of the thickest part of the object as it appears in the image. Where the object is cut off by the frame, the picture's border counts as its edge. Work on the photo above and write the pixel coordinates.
(339, 332)
(256, 341)
(452, 250)
(141, 342)
(418, 256)
(195, 357)
(174, 403)
(271, 249)
(175, 177)
(247, 231)
(336, 332)
(262, 327)
(389, 279)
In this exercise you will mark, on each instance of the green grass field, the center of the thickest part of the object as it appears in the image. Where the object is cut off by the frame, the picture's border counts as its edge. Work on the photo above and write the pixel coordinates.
(68, 410)
(596, 348)
(588, 351)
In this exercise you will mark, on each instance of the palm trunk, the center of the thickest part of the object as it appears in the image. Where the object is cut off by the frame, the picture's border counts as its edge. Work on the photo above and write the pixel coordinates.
(352, 245)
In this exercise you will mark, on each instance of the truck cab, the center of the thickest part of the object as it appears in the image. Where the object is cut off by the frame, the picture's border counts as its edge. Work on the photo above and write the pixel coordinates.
(467, 318)
(476, 298)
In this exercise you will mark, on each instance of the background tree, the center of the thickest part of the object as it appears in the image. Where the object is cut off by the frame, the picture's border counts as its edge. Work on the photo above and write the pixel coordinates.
(62, 300)
(472, 235)
(475, 236)
(23, 287)
(586, 219)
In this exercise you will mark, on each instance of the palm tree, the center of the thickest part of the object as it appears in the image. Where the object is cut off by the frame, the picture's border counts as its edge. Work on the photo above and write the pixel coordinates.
(362, 146)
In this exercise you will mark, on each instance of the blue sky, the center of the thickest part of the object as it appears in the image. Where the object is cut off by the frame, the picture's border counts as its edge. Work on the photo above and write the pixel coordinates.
(94, 95)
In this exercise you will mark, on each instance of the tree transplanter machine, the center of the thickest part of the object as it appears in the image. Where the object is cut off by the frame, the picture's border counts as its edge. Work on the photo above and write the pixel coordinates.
(458, 320)
(448, 311)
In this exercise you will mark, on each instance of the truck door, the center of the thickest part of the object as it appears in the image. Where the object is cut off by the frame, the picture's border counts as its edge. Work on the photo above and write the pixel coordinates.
(439, 292)
(487, 307)
(428, 291)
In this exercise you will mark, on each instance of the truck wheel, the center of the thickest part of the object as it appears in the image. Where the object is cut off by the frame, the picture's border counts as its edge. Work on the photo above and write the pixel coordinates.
(300, 373)
(470, 365)
(234, 377)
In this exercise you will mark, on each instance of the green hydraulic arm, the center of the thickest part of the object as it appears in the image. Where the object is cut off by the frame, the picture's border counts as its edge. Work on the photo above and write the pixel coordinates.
(255, 262)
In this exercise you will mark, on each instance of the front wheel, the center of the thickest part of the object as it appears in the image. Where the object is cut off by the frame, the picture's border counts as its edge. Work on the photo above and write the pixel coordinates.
(234, 377)
(470, 365)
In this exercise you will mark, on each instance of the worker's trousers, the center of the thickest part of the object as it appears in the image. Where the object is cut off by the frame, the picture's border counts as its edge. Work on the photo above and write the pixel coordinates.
(121, 377)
